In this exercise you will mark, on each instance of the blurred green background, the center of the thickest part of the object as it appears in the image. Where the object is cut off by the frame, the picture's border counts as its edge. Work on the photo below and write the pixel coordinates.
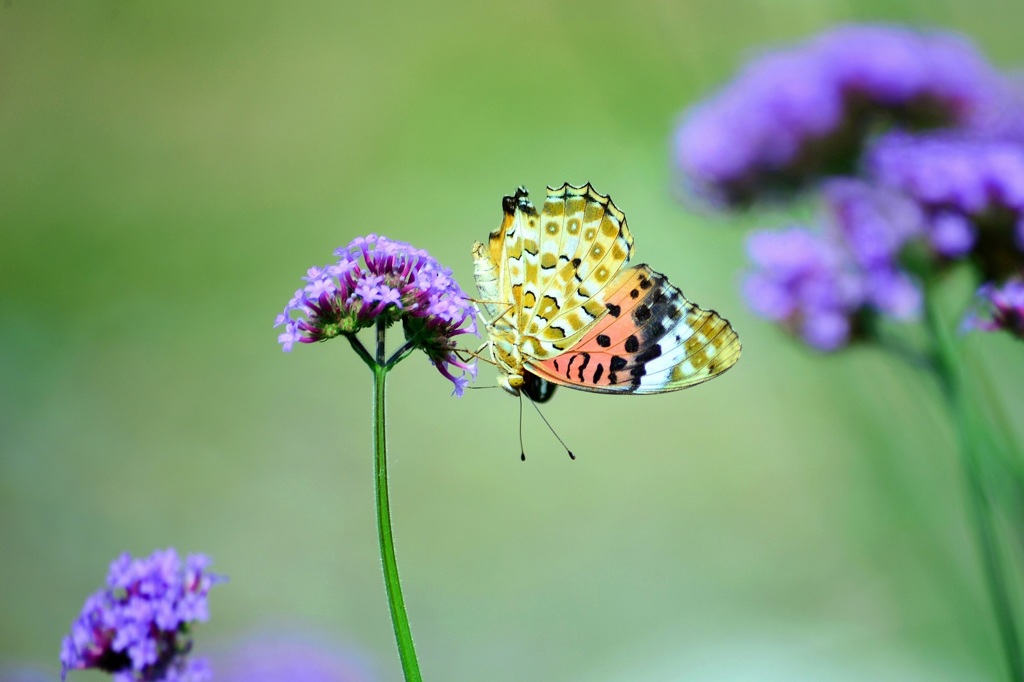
(168, 171)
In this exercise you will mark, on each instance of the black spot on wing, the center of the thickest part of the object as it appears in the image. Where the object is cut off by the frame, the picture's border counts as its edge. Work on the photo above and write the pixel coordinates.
(568, 368)
(613, 309)
(642, 313)
(603, 340)
(555, 327)
(654, 330)
(649, 354)
(598, 372)
(632, 344)
(617, 363)
(583, 365)
(520, 200)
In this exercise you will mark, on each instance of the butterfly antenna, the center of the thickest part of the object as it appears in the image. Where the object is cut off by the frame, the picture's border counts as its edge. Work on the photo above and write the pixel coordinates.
(522, 450)
(550, 428)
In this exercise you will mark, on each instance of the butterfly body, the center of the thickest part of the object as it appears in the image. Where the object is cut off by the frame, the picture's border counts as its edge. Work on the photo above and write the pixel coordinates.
(565, 310)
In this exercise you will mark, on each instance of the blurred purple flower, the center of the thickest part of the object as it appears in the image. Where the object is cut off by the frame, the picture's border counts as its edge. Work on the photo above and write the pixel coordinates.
(806, 282)
(875, 226)
(970, 189)
(1001, 308)
(794, 115)
(137, 628)
(820, 285)
(376, 278)
(305, 656)
(874, 222)
(1003, 118)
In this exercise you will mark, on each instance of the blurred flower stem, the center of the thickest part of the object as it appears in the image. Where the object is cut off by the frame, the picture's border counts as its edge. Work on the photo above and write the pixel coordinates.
(979, 498)
(403, 635)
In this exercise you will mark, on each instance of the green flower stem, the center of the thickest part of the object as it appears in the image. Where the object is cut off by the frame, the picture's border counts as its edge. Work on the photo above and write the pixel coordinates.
(403, 636)
(948, 370)
(357, 346)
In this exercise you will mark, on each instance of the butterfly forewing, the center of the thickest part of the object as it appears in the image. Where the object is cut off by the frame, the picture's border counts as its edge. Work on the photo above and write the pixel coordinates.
(566, 297)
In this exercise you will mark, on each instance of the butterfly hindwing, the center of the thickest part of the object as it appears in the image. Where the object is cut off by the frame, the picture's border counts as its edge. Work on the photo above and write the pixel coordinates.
(652, 340)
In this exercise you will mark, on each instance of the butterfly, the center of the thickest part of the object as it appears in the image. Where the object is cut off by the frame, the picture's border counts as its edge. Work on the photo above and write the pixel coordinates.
(563, 309)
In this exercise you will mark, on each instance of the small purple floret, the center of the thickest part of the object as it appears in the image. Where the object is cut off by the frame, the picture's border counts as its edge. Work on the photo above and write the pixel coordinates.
(1001, 308)
(137, 628)
(805, 282)
(378, 278)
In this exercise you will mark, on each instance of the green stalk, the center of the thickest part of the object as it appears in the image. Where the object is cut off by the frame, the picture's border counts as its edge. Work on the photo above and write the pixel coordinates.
(948, 371)
(403, 636)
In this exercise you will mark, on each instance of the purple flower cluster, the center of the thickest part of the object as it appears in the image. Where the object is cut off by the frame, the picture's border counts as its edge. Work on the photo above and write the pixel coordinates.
(374, 279)
(1002, 309)
(137, 627)
(799, 280)
(794, 115)
(917, 146)
(822, 285)
(970, 189)
(874, 226)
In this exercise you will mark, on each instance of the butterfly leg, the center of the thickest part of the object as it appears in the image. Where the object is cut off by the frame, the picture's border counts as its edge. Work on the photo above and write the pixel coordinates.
(465, 354)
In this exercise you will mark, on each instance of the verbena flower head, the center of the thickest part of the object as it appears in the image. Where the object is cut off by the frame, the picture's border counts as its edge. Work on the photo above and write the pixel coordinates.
(969, 189)
(875, 225)
(1003, 118)
(1001, 308)
(795, 115)
(138, 627)
(376, 278)
(823, 286)
(806, 282)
